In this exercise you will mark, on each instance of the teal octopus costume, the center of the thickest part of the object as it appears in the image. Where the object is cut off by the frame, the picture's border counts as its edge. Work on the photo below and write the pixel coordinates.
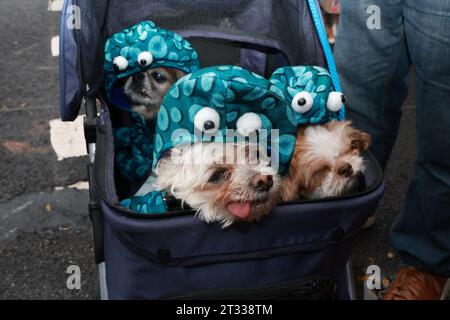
(135, 49)
(141, 47)
(206, 105)
(134, 149)
(212, 101)
(309, 93)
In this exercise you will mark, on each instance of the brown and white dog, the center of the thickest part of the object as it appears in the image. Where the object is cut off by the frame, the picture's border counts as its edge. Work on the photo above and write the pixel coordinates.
(326, 161)
(145, 90)
(223, 182)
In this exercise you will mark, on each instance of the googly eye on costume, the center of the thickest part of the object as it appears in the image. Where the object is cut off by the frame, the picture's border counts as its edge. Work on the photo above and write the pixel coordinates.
(302, 102)
(120, 63)
(335, 101)
(249, 122)
(207, 120)
(145, 58)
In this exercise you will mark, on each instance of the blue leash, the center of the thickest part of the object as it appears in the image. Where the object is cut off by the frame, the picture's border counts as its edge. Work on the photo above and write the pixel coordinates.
(320, 28)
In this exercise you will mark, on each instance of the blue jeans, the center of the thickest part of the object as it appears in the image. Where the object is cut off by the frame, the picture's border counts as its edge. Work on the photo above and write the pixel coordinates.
(373, 65)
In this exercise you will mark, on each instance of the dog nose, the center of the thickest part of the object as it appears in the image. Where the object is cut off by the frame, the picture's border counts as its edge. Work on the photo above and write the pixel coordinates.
(262, 182)
(346, 170)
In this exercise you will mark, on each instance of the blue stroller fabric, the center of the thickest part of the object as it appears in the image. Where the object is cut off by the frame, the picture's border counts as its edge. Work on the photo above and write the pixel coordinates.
(151, 203)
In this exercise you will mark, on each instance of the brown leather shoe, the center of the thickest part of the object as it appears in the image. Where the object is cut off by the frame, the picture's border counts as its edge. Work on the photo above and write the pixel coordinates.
(411, 284)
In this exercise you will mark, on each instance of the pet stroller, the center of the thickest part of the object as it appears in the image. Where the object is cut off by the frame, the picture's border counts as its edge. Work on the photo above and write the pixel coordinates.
(300, 251)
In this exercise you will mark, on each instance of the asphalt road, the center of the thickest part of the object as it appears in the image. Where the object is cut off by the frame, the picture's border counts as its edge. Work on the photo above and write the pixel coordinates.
(44, 226)
(42, 230)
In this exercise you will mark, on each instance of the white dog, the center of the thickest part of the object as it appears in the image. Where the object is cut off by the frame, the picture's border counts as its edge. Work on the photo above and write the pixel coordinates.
(223, 181)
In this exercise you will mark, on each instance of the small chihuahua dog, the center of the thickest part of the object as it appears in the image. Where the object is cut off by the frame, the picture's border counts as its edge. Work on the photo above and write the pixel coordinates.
(145, 90)
(221, 185)
(326, 161)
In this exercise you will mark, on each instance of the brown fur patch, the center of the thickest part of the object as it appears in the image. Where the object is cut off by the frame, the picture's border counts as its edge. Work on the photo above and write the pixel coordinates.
(175, 74)
(306, 175)
(357, 139)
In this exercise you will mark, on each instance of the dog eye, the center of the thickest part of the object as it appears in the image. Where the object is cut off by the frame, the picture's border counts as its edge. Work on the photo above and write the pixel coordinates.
(302, 102)
(249, 122)
(335, 101)
(218, 176)
(145, 58)
(120, 63)
(207, 120)
(158, 77)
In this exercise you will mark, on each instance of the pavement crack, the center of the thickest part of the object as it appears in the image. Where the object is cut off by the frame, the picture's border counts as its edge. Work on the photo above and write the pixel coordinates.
(20, 208)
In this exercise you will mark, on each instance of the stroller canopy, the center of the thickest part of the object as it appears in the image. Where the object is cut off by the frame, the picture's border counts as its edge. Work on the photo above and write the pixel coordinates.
(288, 30)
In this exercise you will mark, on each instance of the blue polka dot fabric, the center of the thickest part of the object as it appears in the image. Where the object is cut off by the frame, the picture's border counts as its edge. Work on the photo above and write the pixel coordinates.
(213, 101)
(133, 147)
(209, 103)
(135, 49)
(309, 94)
(141, 47)
(151, 203)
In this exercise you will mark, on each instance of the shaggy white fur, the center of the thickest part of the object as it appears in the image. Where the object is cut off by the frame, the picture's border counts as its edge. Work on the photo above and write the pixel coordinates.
(222, 181)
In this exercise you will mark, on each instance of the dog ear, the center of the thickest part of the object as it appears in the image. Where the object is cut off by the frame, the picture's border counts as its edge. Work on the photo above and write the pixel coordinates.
(177, 73)
(360, 139)
(168, 158)
(167, 169)
(174, 74)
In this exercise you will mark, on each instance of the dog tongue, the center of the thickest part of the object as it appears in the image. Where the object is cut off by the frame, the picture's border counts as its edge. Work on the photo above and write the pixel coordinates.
(240, 209)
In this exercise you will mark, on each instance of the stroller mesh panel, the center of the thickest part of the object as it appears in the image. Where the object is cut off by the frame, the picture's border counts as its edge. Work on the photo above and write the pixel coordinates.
(91, 41)
(283, 25)
(269, 22)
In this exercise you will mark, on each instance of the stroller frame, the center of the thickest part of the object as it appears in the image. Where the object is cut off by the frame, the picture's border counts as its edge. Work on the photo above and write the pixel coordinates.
(89, 96)
(95, 211)
(97, 219)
